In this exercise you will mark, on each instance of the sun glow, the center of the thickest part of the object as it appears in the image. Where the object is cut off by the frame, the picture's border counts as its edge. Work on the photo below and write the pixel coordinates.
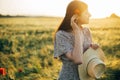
(103, 8)
(98, 8)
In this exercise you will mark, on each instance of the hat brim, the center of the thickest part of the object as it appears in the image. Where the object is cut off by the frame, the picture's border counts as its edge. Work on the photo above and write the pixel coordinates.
(87, 57)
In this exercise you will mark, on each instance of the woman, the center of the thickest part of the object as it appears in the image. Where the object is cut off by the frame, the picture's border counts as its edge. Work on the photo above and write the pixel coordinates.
(72, 39)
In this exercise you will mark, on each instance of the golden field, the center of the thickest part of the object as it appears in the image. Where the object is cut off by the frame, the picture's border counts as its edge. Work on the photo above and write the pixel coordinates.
(26, 47)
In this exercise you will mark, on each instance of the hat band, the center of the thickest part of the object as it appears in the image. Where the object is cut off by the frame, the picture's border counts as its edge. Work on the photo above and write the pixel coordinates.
(88, 64)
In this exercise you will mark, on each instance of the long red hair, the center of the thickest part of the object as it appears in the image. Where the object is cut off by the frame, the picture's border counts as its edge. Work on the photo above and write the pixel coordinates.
(74, 7)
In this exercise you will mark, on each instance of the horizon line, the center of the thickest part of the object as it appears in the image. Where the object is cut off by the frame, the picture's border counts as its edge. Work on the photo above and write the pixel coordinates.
(28, 15)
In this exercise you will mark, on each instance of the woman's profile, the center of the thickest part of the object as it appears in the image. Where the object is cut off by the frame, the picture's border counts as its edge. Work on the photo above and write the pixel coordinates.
(72, 39)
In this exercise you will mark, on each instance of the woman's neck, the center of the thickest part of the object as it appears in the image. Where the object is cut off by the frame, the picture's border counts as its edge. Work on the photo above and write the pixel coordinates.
(80, 26)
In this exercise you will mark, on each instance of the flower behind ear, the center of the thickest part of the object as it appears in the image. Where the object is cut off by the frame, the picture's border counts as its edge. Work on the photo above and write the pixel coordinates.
(77, 11)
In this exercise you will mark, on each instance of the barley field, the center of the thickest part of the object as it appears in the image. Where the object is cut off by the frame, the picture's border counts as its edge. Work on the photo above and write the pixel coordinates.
(26, 47)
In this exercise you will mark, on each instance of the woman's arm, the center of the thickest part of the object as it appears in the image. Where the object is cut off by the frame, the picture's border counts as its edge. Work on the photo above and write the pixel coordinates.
(77, 53)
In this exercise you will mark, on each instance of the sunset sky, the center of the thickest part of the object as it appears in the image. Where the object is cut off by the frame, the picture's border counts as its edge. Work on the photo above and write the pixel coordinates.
(97, 8)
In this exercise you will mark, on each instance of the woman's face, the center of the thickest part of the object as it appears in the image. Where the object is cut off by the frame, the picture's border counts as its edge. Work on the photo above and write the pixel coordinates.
(84, 17)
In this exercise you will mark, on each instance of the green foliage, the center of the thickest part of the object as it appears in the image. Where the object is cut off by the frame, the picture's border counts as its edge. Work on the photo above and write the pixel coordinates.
(5, 45)
(26, 47)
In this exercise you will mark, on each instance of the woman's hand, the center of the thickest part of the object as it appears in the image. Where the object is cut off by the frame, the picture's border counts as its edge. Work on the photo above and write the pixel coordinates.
(94, 46)
(74, 23)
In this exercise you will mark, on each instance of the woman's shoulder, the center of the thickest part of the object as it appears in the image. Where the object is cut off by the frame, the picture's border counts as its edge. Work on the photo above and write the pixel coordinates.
(86, 28)
(64, 33)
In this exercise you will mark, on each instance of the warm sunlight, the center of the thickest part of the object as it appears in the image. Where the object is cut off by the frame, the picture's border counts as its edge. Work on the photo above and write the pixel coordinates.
(103, 8)
(35, 38)
(98, 8)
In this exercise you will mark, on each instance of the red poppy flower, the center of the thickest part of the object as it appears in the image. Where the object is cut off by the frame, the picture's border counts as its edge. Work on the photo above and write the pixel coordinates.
(19, 70)
(2, 71)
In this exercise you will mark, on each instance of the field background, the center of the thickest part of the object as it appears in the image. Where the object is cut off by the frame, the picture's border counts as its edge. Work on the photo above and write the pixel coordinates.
(26, 47)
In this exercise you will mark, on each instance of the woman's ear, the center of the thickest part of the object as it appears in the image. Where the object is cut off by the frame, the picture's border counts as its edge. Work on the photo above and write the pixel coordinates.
(77, 11)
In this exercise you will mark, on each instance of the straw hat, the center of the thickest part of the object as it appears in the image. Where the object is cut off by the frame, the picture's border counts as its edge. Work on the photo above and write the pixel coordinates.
(93, 64)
